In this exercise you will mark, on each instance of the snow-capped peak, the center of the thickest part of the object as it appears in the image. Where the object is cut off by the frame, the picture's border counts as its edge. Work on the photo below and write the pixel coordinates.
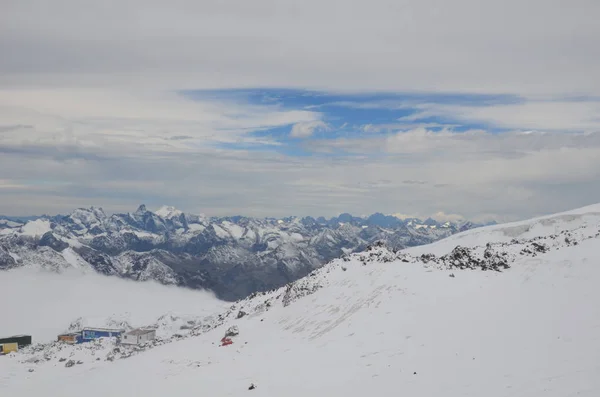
(168, 212)
(36, 228)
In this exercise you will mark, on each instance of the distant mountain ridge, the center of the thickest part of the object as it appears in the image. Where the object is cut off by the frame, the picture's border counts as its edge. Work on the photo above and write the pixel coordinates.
(233, 256)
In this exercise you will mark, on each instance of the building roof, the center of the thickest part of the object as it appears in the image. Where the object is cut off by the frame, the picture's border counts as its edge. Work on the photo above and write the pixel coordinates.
(102, 329)
(14, 336)
(139, 331)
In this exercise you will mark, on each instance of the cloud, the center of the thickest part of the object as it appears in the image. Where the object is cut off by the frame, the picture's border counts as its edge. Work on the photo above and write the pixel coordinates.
(460, 47)
(505, 177)
(440, 216)
(79, 156)
(121, 121)
(400, 215)
(509, 175)
(46, 306)
(545, 113)
(548, 115)
(8, 184)
(306, 129)
(96, 106)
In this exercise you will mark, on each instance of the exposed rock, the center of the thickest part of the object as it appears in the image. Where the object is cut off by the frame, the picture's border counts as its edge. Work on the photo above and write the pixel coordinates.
(539, 247)
(49, 240)
(232, 331)
(298, 289)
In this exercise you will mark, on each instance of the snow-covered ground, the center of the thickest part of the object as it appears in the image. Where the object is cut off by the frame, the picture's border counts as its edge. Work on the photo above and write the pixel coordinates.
(581, 220)
(379, 323)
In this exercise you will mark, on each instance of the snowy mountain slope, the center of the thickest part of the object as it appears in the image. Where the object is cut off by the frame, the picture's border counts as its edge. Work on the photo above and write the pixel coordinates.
(380, 322)
(577, 222)
(234, 256)
(7, 223)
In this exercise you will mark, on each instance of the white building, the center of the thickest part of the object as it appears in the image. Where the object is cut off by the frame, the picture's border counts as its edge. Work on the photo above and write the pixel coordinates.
(138, 336)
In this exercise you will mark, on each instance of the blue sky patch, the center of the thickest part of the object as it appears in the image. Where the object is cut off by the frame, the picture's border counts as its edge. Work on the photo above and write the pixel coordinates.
(350, 115)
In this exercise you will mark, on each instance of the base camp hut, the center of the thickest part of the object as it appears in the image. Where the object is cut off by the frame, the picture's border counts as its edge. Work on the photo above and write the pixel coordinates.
(88, 334)
(21, 340)
(138, 336)
(6, 348)
(14, 343)
(71, 338)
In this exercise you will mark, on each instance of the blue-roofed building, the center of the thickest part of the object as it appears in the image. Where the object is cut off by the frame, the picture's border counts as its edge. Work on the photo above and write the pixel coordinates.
(88, 334)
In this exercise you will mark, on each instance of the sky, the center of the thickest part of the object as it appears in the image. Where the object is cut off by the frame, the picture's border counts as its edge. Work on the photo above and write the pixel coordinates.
(463, 109)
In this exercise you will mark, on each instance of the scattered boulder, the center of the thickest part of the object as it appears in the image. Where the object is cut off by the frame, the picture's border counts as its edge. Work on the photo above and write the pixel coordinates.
(539, 247)
(299, 289)
(461, 257)
(376, 244)
(70, 363)
(241, 314)
(252, 387)
(232, 331)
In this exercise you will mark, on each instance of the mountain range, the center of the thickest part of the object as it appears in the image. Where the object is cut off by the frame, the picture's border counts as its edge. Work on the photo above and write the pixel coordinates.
(232, 256)
(506, 310)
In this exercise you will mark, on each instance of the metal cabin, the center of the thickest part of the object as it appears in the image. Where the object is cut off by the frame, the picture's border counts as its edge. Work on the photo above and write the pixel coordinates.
(138, 336)
(20, 340)
(6, 348)
(70, 338)
(88, 334)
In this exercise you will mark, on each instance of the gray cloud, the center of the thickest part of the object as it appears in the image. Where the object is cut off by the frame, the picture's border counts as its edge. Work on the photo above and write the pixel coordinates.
(506, 47)
(558, 172)
(410, 182)
(90, 115)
